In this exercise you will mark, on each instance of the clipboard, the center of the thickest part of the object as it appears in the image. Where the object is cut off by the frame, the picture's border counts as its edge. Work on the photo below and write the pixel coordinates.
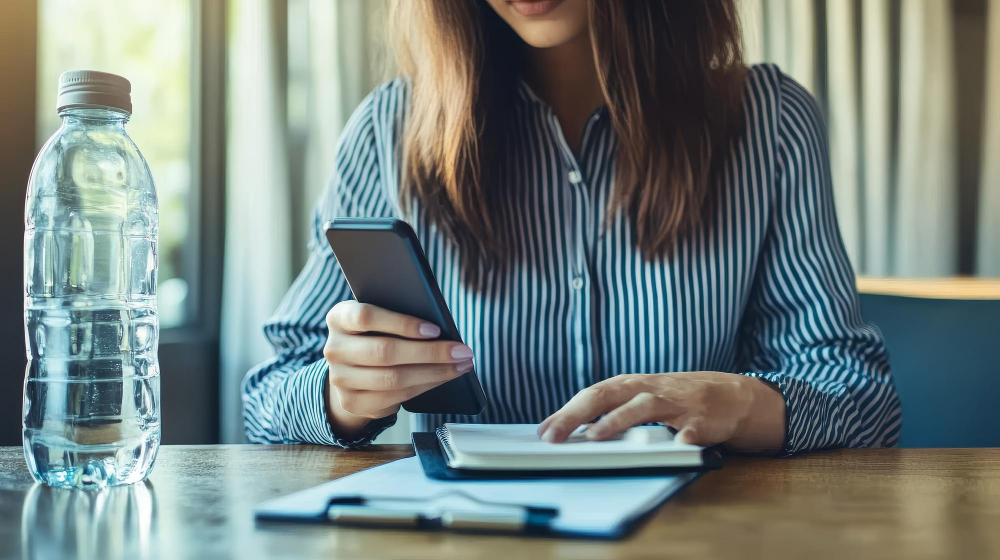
(398, 495)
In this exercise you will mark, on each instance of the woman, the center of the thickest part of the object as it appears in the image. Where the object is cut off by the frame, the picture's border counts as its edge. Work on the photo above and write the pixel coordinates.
(626, 222)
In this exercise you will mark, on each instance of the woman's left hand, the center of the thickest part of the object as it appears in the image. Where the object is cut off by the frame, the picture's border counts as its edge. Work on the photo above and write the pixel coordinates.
(706, 407)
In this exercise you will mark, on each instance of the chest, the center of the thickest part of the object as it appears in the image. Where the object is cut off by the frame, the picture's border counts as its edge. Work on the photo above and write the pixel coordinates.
(575, 298)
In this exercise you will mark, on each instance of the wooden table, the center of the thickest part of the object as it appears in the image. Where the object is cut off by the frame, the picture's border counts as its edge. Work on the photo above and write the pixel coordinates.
(849, 504)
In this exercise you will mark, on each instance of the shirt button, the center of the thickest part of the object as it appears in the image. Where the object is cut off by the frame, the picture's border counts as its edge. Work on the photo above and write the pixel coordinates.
(577, 283)
(574, 177)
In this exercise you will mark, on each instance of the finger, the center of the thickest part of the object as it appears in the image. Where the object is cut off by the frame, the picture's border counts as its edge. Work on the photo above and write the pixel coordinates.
(386, 411)
(641, 409)
(360, 378)
(379, 351)
(689, 435)
(354, 317)
(544, 425)
(372, 404)
(587, 404)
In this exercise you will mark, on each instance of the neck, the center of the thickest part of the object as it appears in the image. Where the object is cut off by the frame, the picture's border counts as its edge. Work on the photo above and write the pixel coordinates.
(565, 77)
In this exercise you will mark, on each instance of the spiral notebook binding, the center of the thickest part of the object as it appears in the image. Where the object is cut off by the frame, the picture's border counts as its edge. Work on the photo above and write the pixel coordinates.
(444, 438)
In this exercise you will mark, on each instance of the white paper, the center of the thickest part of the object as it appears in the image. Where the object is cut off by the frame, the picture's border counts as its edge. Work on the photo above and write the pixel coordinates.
(522, 439)
(593, 506)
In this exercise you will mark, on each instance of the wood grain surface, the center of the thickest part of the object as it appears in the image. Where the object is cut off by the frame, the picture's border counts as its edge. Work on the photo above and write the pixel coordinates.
(844, 504)
(974, 288)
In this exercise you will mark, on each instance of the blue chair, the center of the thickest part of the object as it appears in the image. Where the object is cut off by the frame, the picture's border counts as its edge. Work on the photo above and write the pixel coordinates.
(945, 357)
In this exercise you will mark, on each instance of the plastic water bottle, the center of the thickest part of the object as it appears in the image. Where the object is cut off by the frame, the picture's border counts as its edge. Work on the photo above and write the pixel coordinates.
(92, 385)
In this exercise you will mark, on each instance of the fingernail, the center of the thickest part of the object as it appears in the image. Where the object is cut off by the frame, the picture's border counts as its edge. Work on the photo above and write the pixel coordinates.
(430, 330)
(461, 352)
(549, 436)
(464, 367)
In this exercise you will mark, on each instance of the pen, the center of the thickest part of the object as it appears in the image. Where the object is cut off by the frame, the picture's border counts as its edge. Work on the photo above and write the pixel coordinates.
(405, 513)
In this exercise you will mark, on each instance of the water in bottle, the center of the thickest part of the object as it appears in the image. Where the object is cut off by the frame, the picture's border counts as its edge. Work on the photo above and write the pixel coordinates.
(92, 386)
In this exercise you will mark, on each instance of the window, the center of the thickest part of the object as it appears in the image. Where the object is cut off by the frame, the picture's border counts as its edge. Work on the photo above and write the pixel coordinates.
(173, 53)
(151, 44)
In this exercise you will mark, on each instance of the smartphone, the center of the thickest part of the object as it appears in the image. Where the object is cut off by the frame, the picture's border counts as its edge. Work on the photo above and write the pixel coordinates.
(385, 266)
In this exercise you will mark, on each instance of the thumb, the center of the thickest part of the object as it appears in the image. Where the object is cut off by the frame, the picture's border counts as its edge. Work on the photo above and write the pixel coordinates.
(688, 435)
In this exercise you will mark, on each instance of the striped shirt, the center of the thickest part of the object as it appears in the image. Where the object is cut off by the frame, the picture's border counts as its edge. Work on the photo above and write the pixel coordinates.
(762, 288)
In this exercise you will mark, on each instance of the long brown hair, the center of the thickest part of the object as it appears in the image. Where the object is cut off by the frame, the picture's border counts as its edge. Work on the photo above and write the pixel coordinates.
(672, 75)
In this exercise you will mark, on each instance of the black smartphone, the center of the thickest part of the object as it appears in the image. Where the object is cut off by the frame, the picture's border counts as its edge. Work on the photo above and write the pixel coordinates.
(385, 266)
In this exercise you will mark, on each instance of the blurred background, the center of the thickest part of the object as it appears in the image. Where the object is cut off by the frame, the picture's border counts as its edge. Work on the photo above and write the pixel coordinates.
(238, 105)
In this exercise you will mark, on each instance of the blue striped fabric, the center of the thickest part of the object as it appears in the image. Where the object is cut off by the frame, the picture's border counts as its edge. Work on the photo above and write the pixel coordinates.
(763, 288)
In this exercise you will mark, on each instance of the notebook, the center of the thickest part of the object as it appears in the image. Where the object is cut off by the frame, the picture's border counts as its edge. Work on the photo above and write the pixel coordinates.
(517, 447)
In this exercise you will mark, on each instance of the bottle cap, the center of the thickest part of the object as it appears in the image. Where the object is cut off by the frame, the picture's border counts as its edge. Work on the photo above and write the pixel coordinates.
(89, 88)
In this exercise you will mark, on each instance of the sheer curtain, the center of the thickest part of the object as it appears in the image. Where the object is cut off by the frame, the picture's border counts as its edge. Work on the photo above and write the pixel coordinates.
(258, 265)
(988, 255)
(884, 72)
(287, 106)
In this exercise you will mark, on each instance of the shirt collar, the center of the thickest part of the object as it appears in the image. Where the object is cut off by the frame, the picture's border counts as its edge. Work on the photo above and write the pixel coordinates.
(527, 95)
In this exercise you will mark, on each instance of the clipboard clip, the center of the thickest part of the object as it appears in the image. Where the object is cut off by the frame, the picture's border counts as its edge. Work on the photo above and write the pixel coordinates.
(456, 511)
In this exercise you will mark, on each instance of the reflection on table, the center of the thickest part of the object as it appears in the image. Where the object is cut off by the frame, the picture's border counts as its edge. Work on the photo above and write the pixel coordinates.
(111, 523)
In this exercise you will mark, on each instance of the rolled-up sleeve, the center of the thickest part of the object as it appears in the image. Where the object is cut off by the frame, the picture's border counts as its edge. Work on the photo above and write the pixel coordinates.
(284, 398)
(804, 330)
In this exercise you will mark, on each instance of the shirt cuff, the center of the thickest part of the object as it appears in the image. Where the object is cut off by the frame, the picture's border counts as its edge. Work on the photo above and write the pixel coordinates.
(309, 423)
(792, 442)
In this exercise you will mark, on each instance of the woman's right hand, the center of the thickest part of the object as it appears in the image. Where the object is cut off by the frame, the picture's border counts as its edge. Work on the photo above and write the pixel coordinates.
(379, 359)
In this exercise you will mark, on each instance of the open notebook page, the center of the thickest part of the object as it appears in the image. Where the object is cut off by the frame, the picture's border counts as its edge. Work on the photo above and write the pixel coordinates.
(522, 439)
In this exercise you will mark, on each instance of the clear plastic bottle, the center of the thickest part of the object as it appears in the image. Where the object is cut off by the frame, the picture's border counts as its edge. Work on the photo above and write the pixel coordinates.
(92, 385)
